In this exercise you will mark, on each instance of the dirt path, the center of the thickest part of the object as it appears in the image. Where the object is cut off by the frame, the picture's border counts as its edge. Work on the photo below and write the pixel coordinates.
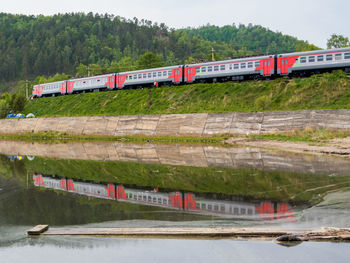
(340, 147)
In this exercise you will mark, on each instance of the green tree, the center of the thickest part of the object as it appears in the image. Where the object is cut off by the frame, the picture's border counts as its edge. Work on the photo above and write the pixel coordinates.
(95, 69)
(149, 60)
(338, 41)
(18, 102)
(82, 70)
(114, 67)
(126, 64)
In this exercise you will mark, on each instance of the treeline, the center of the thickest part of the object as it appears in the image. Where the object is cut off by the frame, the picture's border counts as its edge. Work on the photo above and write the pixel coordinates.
(11, 103)
(44, 45)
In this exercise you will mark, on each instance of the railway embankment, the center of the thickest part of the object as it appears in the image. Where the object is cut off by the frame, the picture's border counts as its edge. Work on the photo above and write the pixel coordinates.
(182, 125)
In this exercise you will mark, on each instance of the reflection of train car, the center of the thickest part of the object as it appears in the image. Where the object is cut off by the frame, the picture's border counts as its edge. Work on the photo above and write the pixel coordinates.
(91, 189)
(188, 202)
(265, 210)
(169, 200)
(49, 182)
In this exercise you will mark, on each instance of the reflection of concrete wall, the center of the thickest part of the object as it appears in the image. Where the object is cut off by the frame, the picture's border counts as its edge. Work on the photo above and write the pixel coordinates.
(201, 124)
(185, 155)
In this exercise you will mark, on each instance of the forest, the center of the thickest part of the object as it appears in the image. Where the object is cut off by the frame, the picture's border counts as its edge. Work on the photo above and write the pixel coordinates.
(32, 46)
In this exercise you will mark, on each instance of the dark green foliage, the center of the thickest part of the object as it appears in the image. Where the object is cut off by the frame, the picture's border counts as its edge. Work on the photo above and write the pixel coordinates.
(149, 60)
(44, 45)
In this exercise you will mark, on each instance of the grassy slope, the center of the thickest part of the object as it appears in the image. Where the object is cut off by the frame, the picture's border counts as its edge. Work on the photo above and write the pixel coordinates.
(327, 91)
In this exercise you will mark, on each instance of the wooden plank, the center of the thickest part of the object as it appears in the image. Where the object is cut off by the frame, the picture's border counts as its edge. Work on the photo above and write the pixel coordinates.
(37, 230)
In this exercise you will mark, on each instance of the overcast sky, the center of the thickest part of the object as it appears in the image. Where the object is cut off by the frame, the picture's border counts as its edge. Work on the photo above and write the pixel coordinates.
(313, 21)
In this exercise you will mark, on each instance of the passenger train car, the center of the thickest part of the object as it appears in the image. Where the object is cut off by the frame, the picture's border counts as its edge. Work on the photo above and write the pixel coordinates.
(187, 202)
(260, 67)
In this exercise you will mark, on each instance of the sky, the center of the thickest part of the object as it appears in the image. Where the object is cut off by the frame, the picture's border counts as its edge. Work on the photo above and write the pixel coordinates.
(314, 21)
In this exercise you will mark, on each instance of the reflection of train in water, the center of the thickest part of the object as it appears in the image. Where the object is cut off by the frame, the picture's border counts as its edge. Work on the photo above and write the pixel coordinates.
(188, 202)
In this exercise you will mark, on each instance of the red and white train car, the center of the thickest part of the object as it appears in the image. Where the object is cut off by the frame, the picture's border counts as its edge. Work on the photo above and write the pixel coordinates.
(313, 62)
(49, 89)
(96, 83)
(234, 69)
(148, 77)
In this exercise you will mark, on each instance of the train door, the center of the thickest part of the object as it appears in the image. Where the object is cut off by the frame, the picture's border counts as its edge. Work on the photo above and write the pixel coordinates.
(284, 65)
(267, 67)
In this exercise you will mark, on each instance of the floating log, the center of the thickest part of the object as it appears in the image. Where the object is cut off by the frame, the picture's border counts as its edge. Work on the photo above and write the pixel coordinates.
(280, 236)
(37, 230)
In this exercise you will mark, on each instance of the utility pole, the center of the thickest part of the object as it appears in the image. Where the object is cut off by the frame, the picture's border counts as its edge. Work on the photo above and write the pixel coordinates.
(26, 89)
(212, 54)
(88, 70)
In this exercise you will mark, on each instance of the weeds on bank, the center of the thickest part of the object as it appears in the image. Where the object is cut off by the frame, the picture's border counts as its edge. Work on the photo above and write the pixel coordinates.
(306, 135)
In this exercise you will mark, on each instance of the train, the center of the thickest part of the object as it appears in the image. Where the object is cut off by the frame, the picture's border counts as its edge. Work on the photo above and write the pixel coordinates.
(175, 200)
(298, 64)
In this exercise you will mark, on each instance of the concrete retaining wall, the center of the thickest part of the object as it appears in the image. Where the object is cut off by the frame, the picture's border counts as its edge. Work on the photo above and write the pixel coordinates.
(202, 124)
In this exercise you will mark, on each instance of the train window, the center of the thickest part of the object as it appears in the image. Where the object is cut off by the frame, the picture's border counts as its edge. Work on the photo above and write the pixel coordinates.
(169, 73)
(197, 70)
(222, 208)
(303, 60)
(159, 200)
(312, 59)
(130, 195)
(135, 77)
(222, 67)
(204, 206)
(236, 66)
(216, 68)
(165, 201)
(154, 74)
(140, 197)
(347, 55)
(164, 74)
(154, 199)
(135, 197)
(250, 211)
(204, 69)
(210, 69)
(216, 207)
(198, 206)
(242, 211)
(210, 207)
(149, 198)
(149, 75)
(243, 65)
(98, 80)
(250, 64)
(257, 64)
(320, 58)
(329, 57)
(231, 67)
(235, 211)
(144, 76)
(159, 74)
(338, 56)
(140, 76)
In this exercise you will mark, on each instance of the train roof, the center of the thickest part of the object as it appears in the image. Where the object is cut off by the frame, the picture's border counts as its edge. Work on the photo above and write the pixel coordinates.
(50, 83)
(235, 60)
(323, 51)
(150, 69)
(93, 77)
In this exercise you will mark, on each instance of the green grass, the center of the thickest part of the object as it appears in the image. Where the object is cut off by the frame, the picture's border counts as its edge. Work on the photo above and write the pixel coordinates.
(327, 91)
(306, 135)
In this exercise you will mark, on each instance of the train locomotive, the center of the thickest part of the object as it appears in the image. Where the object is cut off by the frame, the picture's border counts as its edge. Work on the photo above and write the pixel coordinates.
(298, 64)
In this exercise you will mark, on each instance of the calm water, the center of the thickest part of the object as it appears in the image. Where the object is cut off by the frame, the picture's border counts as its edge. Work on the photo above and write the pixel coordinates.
(117, 185)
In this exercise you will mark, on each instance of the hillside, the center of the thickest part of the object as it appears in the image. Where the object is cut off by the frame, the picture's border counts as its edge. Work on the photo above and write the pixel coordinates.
(327, 91)
(31, 46)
